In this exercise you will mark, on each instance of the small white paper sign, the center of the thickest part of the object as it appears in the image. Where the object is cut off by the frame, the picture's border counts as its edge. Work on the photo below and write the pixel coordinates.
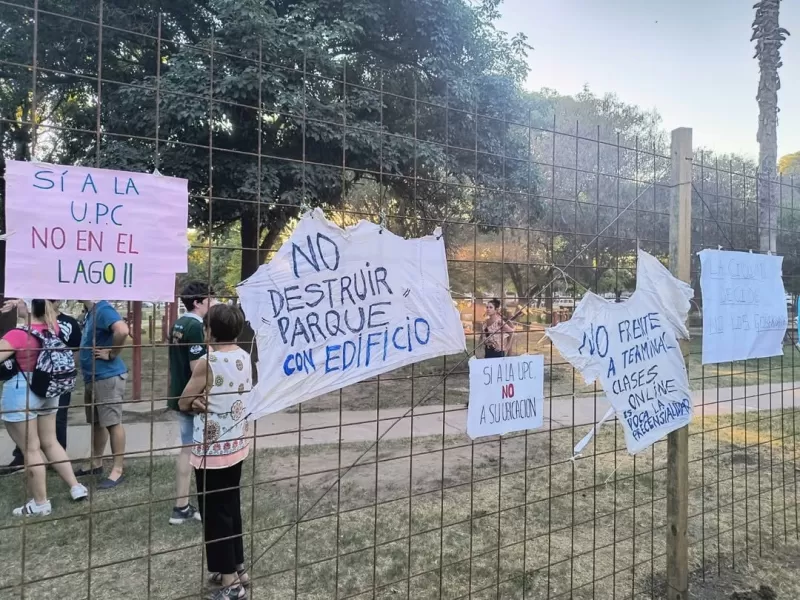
(744, 306)
(505, 395)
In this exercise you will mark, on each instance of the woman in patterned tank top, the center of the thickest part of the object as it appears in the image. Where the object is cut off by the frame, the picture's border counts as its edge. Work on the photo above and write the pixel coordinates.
(498, 335)
(217, 395)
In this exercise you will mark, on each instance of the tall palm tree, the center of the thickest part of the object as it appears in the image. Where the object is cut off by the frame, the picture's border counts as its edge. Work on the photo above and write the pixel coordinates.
(769, 38)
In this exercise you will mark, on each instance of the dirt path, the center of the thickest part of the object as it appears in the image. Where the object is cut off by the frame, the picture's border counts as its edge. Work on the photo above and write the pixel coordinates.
(284, 429)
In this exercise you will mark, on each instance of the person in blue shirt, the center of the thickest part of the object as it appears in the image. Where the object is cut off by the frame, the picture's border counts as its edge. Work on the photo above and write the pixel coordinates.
(104, 373)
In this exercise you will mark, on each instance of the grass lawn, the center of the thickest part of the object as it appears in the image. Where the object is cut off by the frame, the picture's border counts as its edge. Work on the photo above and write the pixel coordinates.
(503, 518)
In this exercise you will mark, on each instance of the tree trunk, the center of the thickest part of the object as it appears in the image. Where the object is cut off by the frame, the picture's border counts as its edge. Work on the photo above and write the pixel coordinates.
(517, 275)
(8, 320)
(250, 238)
(249, 235)
(767, 168)
(254, 251)
(769, 38)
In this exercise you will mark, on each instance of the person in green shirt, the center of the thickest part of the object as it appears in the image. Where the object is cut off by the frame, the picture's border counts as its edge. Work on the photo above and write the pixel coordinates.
(186, 346)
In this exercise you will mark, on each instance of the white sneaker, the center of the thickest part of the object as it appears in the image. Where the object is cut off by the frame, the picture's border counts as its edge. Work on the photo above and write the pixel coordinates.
(79, 492)
(31, 509)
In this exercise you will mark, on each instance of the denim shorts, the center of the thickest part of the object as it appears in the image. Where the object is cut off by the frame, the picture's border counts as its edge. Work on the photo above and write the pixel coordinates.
(19, 404)
(186, 423)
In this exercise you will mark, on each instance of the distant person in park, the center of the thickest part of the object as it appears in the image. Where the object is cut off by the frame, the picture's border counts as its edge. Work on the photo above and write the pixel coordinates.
(104, 373)
(30, 419)
(498, 334)
(216, 394)
(71, 334)
(186, 347)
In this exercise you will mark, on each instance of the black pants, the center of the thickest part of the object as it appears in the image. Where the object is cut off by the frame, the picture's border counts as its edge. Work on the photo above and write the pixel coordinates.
(220, 506)
(61, 424)
(493, 353)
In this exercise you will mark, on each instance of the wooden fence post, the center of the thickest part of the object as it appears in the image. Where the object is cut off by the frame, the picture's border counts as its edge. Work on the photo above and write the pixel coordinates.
(680, 248)
(136, 332)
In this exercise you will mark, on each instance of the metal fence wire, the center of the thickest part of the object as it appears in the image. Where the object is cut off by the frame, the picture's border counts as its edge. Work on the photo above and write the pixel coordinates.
(375, 491)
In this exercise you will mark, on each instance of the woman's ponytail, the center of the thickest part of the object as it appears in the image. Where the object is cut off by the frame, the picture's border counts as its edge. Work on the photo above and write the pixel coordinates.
(44, 310)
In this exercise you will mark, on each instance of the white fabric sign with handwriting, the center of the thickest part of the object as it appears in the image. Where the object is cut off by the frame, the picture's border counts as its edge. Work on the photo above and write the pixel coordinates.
(632, 348)
(338, 306)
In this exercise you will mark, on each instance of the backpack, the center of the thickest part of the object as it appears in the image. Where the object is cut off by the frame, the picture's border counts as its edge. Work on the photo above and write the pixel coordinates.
(55, 372)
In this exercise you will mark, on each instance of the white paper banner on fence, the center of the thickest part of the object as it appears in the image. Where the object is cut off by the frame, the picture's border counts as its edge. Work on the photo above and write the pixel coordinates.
(505, 395)
(338, 306)
(744, 305)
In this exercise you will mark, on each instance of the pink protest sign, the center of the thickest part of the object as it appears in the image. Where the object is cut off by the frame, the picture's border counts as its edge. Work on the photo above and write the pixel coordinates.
(92, 234)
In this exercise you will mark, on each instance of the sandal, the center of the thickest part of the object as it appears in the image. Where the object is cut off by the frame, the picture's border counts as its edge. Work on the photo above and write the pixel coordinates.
(216, 578)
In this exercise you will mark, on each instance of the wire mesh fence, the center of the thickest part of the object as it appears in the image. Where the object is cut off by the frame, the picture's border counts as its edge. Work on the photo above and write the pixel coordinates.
(375, 491)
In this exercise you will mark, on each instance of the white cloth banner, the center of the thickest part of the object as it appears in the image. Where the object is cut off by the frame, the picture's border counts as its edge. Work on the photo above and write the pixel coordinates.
(338, 306)
(505, 395)
(744, 305)
(632, 348)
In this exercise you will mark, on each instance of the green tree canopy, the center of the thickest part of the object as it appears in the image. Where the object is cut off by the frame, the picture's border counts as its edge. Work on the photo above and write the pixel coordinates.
(292, 103)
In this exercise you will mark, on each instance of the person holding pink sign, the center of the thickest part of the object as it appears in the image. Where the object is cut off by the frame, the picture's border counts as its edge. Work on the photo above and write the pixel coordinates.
(31, 419)
(71, 333)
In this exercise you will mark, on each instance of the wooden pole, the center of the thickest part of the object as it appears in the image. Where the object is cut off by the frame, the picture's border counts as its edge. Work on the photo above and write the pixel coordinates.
(680, 249)
(136, 330)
